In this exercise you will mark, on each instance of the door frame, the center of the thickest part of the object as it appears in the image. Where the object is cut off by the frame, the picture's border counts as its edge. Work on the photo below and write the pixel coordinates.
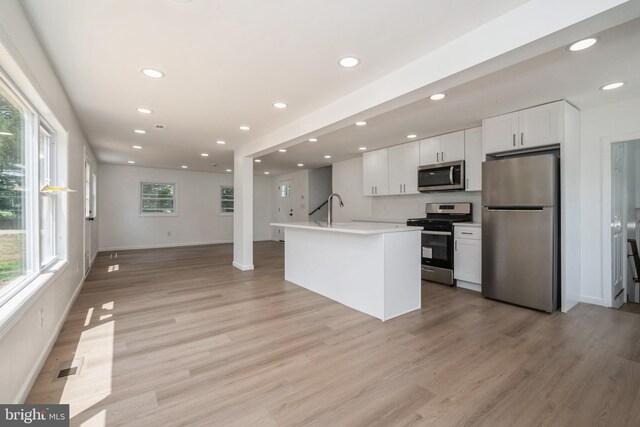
(607, 248)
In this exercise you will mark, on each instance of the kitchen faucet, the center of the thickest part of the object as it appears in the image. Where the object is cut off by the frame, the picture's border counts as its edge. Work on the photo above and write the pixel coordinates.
(330, 210)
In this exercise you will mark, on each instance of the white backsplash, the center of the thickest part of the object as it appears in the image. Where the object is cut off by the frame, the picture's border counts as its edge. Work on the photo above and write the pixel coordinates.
(412, 206)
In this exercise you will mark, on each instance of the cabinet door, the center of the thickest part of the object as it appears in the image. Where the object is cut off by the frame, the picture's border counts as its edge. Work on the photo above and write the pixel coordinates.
(452, 147)
(468, 260)
(412, 161)
(430, 151)
(369, 166)
(499, 133)
(382, 173)
(540, 126)
(397, 160)
(473, 159)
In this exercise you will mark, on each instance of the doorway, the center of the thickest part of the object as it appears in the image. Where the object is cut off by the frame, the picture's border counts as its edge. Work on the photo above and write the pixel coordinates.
(624, 229)
(285, 205)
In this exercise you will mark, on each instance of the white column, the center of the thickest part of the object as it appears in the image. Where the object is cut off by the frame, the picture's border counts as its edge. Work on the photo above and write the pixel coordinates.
(243, 212)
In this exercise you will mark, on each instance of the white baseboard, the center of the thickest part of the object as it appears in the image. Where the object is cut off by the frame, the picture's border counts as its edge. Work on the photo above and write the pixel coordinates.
(42, 358)
(468, 285)
(592, 300)
(243, 267)
(163, 245)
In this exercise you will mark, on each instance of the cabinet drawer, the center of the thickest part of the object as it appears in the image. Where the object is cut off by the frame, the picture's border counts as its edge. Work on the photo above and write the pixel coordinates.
(462, 232)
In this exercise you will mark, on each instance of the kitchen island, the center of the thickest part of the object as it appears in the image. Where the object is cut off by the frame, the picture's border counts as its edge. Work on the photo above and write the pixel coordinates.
(370, 267)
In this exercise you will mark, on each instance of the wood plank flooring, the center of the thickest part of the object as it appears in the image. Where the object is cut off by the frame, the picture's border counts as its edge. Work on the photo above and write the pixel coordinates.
(179, 337)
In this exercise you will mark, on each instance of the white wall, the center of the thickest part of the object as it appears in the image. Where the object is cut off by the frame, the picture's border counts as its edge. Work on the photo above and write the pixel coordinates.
(596, 124)
(24, 342)
(347, 181)
(198, 219)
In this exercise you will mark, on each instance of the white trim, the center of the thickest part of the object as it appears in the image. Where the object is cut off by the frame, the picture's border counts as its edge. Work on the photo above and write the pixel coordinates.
(163, 245)
(606, 215)
(243, 267)
(592, 300)
(42, 358)
(469, 286)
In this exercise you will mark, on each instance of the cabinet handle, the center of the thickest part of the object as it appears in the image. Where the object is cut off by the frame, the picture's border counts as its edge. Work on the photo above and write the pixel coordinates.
(437, 157)
(401, 188)
(376, 189)
(521, 138)
(372, 189)
(443, 156)
(467, 183)
(405, 187)
(514, 139)
(456, 246)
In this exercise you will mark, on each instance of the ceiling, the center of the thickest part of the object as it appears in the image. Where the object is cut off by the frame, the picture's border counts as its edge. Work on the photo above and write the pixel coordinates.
(226, 62)
(555, 75)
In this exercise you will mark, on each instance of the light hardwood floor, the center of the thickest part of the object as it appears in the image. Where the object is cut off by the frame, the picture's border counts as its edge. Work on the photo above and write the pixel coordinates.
(179, 337)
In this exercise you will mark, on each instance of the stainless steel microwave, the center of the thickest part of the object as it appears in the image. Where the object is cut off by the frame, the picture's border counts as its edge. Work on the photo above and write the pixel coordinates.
(441, 177)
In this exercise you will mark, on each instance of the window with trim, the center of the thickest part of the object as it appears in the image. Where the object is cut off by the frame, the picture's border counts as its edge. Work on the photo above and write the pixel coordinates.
(226, 200)
(28, 193)
(157, 198)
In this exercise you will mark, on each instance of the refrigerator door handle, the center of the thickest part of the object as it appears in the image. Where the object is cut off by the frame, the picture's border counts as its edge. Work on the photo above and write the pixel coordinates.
(518, 209)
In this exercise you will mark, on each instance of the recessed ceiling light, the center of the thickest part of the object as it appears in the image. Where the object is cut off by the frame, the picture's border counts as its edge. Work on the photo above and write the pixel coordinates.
(612, 86)
(140, 131)
(280, 105)
(437, 97)
(349, 61)
(243, 127)
(283, 150)
(155, 74)
(6, 133)
(313, 139)
(184, 167)
(327, 156)
(362, 148)
(300, 165)
(412, 135)
(204, 154)
(257, 160)
(583, 44)
(228, 170)
(361, 123)
(130, 162)
(266, 173)
(145, 111)
(137, 147)
(221, 142)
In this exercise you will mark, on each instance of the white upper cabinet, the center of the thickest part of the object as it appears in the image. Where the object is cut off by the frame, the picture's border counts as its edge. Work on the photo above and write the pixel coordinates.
(443, 148)
(533, 127)
(403, 168)
(473, 159)
(375, 173)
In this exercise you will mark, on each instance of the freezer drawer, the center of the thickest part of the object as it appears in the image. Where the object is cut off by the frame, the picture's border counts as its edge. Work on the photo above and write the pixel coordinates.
(520, 181)
(519, 263)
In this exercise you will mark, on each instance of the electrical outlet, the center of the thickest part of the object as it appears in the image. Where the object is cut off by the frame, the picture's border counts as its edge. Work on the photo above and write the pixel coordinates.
(77, 266)
(169, 233)
(41, 318)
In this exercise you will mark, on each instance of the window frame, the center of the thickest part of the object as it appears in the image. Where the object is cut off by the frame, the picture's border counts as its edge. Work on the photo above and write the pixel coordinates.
(53, 175)
(35, 268)
(221, 212)
(158, 214)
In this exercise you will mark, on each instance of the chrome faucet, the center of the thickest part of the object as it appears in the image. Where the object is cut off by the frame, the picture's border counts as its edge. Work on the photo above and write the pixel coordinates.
(330, 210)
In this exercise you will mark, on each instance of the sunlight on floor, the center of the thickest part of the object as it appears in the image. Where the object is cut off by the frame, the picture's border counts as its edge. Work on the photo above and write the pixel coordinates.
(98, 420)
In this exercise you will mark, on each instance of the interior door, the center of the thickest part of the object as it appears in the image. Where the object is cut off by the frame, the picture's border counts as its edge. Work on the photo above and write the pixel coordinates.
(285, 205)
(88, 214)
(618, 245)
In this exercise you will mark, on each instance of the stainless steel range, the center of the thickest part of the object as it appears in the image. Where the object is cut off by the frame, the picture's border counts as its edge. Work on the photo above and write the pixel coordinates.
(437, 239)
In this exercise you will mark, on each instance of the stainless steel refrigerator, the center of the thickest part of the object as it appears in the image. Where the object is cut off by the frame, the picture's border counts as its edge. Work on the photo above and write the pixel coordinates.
(520, 234)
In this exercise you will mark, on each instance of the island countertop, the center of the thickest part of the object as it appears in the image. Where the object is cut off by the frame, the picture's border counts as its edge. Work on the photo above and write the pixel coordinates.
(351, 227)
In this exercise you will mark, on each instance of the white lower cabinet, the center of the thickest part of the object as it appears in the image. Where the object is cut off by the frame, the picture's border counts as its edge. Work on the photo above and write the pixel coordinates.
(467, 257)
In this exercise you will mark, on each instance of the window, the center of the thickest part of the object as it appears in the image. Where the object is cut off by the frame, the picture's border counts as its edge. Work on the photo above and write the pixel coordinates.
(47, 176)
(226, 200)
(87, 189)
(157, 198)
(28, 162)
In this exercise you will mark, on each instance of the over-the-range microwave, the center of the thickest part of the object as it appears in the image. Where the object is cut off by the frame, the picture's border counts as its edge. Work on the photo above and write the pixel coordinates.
(441, 177)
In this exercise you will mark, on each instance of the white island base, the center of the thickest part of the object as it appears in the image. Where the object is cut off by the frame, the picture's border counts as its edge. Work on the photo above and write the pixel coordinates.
(372, 268)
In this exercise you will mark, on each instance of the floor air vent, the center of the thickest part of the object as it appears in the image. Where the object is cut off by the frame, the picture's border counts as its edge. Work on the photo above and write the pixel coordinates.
(68, 368)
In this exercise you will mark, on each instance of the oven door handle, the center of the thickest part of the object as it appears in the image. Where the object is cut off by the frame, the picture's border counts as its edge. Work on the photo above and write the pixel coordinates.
(437, 233)
(451, 175)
